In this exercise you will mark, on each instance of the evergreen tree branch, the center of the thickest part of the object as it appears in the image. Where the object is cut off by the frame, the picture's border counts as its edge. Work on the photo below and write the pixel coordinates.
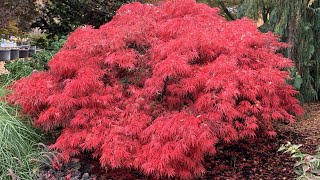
(265, 12)
(224, 8)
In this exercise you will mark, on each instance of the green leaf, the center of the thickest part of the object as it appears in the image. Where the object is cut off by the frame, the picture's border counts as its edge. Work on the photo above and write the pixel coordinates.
(299, 163)
(298, 155)
(282, 148)
(305, 168)
(316, 171)
(299, 172)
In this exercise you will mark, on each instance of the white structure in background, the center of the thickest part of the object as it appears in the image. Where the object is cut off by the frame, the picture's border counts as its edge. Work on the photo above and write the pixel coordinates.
(5, 43)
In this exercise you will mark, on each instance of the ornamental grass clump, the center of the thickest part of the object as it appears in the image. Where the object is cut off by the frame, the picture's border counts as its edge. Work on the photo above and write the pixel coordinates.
(18, 145)
(159, 86)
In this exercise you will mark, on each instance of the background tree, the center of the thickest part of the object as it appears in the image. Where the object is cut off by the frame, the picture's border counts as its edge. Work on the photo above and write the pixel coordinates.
(298, 23)
(16, 14)
(225, 6)
(59, 17)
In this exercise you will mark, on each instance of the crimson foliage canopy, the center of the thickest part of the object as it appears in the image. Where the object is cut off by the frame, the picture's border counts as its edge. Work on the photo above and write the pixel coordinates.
(159, 86)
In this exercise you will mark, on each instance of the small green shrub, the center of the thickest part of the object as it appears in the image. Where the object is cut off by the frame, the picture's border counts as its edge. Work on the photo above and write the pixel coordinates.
(40, 60)
(24, 67)
(18, 69)
(39, 40)
(308, 166)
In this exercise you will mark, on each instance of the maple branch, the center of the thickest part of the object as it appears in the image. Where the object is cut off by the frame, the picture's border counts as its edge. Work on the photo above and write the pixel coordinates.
(225, 9)
(164, 90)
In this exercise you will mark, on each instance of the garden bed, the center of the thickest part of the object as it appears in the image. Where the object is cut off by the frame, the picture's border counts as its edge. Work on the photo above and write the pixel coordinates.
(254, 159)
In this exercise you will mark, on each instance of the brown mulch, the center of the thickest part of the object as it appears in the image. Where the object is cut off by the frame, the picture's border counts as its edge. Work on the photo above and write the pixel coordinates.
(307, 126)
(260, 159)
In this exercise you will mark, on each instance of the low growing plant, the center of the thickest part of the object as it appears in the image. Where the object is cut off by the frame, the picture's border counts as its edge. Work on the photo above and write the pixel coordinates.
(24, 67)
(18, 145)
(40, 60)
(39, 40)
(159, 86)
(307, 166)
(17, 69)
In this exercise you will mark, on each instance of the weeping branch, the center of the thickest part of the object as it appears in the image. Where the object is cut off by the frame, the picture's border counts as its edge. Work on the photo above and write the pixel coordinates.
(265, 11)
(224, 8)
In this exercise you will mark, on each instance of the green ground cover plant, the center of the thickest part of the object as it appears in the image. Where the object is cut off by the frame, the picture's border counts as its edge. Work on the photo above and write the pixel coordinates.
(307, 166)
(38, 62)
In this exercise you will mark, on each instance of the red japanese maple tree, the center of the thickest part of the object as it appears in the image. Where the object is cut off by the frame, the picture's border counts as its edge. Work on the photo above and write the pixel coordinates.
(159, 86)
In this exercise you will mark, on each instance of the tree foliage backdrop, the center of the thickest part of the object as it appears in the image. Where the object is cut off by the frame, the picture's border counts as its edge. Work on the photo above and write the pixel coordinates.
(298, 23)
(16, 16)
(60, 17)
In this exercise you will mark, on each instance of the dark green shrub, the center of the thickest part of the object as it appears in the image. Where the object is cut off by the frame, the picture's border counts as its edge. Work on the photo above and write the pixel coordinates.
(40, 41)
(19, 69)
(39, 60)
